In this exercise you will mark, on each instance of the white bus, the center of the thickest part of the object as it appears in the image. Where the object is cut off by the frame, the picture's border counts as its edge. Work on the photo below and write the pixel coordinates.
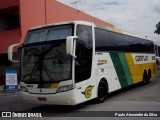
(73, 62)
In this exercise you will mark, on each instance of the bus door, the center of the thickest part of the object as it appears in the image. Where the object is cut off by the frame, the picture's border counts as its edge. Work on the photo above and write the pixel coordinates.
(83, 62)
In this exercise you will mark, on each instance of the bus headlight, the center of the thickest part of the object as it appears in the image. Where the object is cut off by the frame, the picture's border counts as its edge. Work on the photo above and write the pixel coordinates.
(65, 88)
(24, 89)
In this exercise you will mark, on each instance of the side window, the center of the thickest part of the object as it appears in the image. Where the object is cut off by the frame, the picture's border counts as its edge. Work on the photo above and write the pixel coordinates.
(149, 46)
(84, 53)
(119, 42)
(112, 41)
(102, 40)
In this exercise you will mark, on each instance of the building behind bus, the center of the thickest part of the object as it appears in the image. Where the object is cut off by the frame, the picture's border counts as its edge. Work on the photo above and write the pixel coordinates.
(17, 16)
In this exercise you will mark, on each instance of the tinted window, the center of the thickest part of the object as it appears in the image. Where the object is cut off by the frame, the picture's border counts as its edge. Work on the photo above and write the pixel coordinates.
(84, 53)
(110, 41)
(119, 42)
(102, 40)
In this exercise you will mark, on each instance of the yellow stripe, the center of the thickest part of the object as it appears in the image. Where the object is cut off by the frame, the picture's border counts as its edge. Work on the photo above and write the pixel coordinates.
(55, 85)
(137, 69)
(134, 69)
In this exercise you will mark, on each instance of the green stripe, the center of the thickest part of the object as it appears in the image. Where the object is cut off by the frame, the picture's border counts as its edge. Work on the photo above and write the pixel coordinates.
(126, 68)
(44, 85)
(119, 69)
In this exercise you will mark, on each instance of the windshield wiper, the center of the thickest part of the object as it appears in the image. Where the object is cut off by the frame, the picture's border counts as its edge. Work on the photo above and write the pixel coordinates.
(37, 64)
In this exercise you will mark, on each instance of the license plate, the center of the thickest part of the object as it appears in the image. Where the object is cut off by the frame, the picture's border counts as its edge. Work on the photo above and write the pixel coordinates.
(42, 99)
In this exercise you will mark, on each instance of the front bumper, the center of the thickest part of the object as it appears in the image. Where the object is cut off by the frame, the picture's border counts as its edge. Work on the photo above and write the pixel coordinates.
(63, 98)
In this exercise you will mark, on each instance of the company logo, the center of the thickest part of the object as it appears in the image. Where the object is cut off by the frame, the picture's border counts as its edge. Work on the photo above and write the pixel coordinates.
(20, 115)
(88, 91)
(101, 62)
(6, 114)
(139, 58)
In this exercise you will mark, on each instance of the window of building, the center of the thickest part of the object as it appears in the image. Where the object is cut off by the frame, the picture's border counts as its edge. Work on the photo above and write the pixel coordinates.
(9, 21)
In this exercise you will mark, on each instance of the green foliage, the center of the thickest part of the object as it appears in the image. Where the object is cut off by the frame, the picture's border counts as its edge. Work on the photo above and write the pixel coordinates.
(158, 28)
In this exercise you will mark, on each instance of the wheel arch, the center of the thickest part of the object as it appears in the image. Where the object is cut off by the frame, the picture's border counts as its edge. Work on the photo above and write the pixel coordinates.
(105, 80)
(102, 85)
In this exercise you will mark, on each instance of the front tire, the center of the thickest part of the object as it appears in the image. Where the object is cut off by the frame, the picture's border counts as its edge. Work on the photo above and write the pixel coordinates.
(102, 91)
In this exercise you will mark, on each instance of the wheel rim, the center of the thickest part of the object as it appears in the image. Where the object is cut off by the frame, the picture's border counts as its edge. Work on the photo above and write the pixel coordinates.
(102, 92)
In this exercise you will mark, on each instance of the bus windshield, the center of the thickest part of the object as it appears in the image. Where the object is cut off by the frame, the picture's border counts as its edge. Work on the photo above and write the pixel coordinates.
(44, 59)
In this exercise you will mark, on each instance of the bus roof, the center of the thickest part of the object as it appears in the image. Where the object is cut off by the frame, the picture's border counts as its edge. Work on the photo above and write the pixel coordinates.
(112, 29)
(62, 23)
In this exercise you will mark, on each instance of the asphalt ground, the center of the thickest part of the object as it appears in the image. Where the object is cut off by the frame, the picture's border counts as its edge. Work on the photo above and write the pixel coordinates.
(134, 98)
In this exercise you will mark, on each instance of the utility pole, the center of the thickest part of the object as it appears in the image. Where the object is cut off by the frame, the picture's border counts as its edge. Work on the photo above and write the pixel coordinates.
(76, 3)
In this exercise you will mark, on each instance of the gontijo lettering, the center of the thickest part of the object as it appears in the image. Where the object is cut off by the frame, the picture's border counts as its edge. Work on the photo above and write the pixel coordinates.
(141, 58)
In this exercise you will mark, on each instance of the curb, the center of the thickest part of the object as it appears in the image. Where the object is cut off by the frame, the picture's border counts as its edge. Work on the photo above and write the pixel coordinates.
(2, 93)
(2, 90)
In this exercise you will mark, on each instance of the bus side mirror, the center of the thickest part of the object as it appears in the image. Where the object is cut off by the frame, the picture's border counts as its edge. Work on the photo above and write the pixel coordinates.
(10, 52)
(70, 45)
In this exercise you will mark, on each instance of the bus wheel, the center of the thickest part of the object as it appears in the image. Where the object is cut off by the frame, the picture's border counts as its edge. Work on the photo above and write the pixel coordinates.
(145, 78)
(149, 76)
(102, 91)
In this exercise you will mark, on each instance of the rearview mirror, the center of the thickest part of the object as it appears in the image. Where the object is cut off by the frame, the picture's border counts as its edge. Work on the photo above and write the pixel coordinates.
(70, 45)
(10, 52)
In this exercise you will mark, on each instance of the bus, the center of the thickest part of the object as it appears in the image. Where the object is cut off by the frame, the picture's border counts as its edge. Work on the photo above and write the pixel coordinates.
(157, 50)
(72, 62)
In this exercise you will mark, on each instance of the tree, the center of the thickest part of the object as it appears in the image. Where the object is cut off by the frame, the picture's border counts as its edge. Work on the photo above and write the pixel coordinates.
(158, 28)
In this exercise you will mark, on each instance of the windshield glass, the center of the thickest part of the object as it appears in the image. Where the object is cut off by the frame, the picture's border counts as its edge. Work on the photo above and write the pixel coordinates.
(47, 61)
(30, 63)
(56, 63)
(49, 34)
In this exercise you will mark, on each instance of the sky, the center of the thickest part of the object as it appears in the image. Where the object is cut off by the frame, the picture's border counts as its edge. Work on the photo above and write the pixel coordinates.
(135, 16)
